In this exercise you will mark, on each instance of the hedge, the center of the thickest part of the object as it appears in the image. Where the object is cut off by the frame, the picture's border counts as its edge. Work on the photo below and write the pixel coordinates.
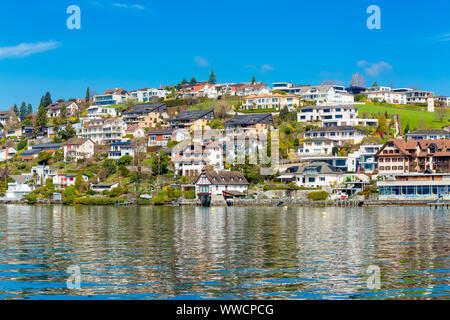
(97, 201)
(318, 196)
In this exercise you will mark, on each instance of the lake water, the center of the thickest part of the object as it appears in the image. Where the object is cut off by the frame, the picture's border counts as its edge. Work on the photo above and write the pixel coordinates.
(227, 253)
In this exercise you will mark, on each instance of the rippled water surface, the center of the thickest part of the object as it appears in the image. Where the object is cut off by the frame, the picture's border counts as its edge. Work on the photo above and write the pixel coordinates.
(227, 253)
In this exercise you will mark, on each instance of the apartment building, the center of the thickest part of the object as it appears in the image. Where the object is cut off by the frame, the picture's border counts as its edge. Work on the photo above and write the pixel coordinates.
(104, 131)
(98, 112)
(366, 157)
(147, 94)
(271, 101)
(400, 156)
(418, 96)
(341, 134)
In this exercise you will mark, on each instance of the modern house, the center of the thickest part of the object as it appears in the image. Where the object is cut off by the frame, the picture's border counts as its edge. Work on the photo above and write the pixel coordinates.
(387, 96)
(418, 96)
(34, 150)
(341, 134)
(245, 89)
(271, 101)
(334, 116)
(219, 185)
(78, 148)
(147, 94)
(20, 187)
(120, 149)
(111, 97)
(444, 100)
(313, 175)
(365, 158)
(159, 137)
(415, 186)
(103, 186)
(326, 94)
(99, 112)
(7, 153)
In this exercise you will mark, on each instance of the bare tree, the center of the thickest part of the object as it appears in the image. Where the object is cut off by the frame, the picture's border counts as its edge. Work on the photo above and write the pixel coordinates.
(221, 110)
(139, 147)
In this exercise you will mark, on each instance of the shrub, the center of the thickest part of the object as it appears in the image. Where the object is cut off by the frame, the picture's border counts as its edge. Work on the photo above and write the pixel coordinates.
(115, 192)
(318, 196)
(98, 201)
(31, 198)
(190, 194)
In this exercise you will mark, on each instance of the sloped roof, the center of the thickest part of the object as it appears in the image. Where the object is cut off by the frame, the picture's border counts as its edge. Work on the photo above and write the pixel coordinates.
(76, 141)
(192, 115)
(248, 119)
(226, 177)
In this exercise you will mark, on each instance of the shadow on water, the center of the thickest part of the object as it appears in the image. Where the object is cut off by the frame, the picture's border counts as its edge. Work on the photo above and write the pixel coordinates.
(223, 253)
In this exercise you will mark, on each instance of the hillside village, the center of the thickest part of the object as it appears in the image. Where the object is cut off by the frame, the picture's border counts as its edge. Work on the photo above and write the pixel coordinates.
(200, 143)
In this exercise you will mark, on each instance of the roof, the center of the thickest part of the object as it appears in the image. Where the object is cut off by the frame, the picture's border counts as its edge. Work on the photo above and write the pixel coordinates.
(121, 143)
(20, 178)
(146, 108)
(76, 141)
(329, 107)
(428, 131)
(47, 146)
(249, 119)
(133, 128)
(225, 177)
(322, 168)
(120, 91)
(192, 115)
(160, 131)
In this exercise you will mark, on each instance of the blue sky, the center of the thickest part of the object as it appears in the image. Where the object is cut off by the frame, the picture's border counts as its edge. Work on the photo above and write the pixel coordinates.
(135, 43)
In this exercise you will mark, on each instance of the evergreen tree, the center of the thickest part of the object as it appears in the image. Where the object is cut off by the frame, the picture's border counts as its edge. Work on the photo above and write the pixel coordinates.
(407, 129)
(88, 96)
(63, 111)
(253, 80)
(16, 110)
(78, 181)
(375, 84)
(184, 81)
(29, 109)
(382, 125)
(212, 77)
(46, 100)
(41, 117)
(193, 80)
(23, 111)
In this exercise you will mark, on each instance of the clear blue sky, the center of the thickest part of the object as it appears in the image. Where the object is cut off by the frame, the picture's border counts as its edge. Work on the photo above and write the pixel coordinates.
(135, 43)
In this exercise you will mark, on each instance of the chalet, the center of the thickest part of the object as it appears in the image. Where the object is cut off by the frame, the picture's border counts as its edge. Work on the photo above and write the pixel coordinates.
(211, 185)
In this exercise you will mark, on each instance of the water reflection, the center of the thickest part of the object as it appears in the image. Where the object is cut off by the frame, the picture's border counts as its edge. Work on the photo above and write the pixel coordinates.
(258, 253)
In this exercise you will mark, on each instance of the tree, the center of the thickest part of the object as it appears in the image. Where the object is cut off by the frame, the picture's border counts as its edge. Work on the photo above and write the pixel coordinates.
(407, 128)
(16, 110)
(67, 133)
(193, 81)
(375, 84)
(41, 117)
(29, 109)
(124, 160)
(184, 81)
(441, 115)
(21, 145)
(357, 80)
(88, 96)
(44, 157)
(63, 112)
(160, 163)
(46, 100)
(216, 124)
(253, 80)
(382, 126)
(212, 77)
(79, 181)
(221, 110)
(23, 111)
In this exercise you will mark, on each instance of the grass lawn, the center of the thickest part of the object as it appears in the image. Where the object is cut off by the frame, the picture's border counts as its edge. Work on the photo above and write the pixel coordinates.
(210, 104)
(408, 114)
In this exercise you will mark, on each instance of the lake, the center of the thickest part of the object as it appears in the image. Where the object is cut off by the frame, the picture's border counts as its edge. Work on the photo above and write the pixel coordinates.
(224, 253)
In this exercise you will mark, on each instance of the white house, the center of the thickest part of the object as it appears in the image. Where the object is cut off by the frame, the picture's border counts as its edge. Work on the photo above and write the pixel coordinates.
(104, 131)
(103, 186)
(135, 130)
(98, 112)
(428, 134)
(271, 101)
(111, 97)
(341, 134)
(63, 180)
(20, 187)
(219, 185)
(120, 149)
(388, 96)
(54, 109)
(418, 96)
(334, 116)
(147, 94)
(365, 158)
(313, 175)
(445, 100)
(316, 146)
(7, 153)
(43, 172)
(327, 94)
